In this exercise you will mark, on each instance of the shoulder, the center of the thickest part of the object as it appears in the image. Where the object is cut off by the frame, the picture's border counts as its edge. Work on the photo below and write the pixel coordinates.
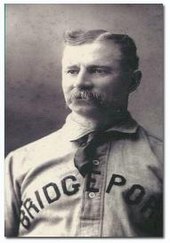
(155, 143)
(33, 153)
(153, 139)
(41, 143)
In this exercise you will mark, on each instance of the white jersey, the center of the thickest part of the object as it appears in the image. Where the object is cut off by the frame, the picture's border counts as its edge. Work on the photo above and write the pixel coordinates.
(46, 196)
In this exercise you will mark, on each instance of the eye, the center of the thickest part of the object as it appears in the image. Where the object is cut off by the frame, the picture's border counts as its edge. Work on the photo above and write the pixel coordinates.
(72, 71)
(100, 71)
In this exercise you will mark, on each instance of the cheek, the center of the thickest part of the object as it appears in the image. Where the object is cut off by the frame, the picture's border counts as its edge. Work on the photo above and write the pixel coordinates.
(108, 80)
(108, 85)
(65, 91)
(66, 85)
(115, 84)
(113, 91)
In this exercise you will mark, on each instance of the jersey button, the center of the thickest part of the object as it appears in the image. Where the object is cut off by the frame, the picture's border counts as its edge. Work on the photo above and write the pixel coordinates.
(96, 162)
(92, 195)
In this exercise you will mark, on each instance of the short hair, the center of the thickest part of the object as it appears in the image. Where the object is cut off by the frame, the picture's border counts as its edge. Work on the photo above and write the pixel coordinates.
(126, 43)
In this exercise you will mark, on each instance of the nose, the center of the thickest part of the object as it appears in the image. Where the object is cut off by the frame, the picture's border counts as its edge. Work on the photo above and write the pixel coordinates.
(83, 80)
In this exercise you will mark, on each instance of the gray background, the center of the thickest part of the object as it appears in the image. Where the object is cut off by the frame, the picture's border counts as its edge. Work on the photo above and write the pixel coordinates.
(34, 101)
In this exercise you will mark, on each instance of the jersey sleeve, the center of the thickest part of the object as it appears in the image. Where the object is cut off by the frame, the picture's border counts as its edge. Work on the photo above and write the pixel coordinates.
(12, 201)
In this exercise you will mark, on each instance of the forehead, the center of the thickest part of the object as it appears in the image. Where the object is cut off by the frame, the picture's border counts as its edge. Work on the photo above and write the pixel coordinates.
(98, 53)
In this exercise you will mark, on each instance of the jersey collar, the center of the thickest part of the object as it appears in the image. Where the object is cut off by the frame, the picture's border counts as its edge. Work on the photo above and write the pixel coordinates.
(74, 131)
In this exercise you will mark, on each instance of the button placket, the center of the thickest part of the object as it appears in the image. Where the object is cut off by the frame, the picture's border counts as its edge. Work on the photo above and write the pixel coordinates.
(92, 207)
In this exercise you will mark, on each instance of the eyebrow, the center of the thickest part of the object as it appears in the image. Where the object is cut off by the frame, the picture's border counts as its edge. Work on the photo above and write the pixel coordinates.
(100, 66)
(105, 68)
(73, 66)
(91, 67)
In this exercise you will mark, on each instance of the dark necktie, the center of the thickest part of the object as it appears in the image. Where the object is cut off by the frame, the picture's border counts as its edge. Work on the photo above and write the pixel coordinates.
(86, 152)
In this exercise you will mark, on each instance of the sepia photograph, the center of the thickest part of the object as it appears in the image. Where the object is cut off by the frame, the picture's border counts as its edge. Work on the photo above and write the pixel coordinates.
(84, 120)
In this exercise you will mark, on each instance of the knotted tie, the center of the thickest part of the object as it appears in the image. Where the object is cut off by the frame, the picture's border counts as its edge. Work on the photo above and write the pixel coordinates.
(86, 152)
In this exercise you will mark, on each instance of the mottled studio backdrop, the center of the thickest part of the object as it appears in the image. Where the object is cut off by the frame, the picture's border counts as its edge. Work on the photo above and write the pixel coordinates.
(34, 100)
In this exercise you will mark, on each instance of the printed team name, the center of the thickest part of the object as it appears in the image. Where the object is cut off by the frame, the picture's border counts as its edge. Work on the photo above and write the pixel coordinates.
(133, 196)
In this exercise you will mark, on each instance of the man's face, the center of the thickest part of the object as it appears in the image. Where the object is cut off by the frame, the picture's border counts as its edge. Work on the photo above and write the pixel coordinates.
(93, 78)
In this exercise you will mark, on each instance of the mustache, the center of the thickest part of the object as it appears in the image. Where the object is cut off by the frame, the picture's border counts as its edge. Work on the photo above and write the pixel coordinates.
(98, 98)
(94, 96)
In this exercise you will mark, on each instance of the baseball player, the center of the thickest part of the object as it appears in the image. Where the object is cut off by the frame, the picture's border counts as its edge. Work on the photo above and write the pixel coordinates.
(101, 174)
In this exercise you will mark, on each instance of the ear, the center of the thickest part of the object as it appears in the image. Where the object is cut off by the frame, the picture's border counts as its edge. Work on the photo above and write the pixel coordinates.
(135, 80)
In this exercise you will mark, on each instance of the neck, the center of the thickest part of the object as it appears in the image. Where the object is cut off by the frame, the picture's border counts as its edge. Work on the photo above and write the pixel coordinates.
(100, 121)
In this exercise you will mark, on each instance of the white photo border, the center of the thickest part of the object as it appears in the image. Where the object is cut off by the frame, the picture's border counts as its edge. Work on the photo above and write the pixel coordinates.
(166, 4)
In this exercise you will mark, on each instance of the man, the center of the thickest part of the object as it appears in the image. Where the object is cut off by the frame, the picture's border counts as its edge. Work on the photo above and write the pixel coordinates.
(100, 175)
